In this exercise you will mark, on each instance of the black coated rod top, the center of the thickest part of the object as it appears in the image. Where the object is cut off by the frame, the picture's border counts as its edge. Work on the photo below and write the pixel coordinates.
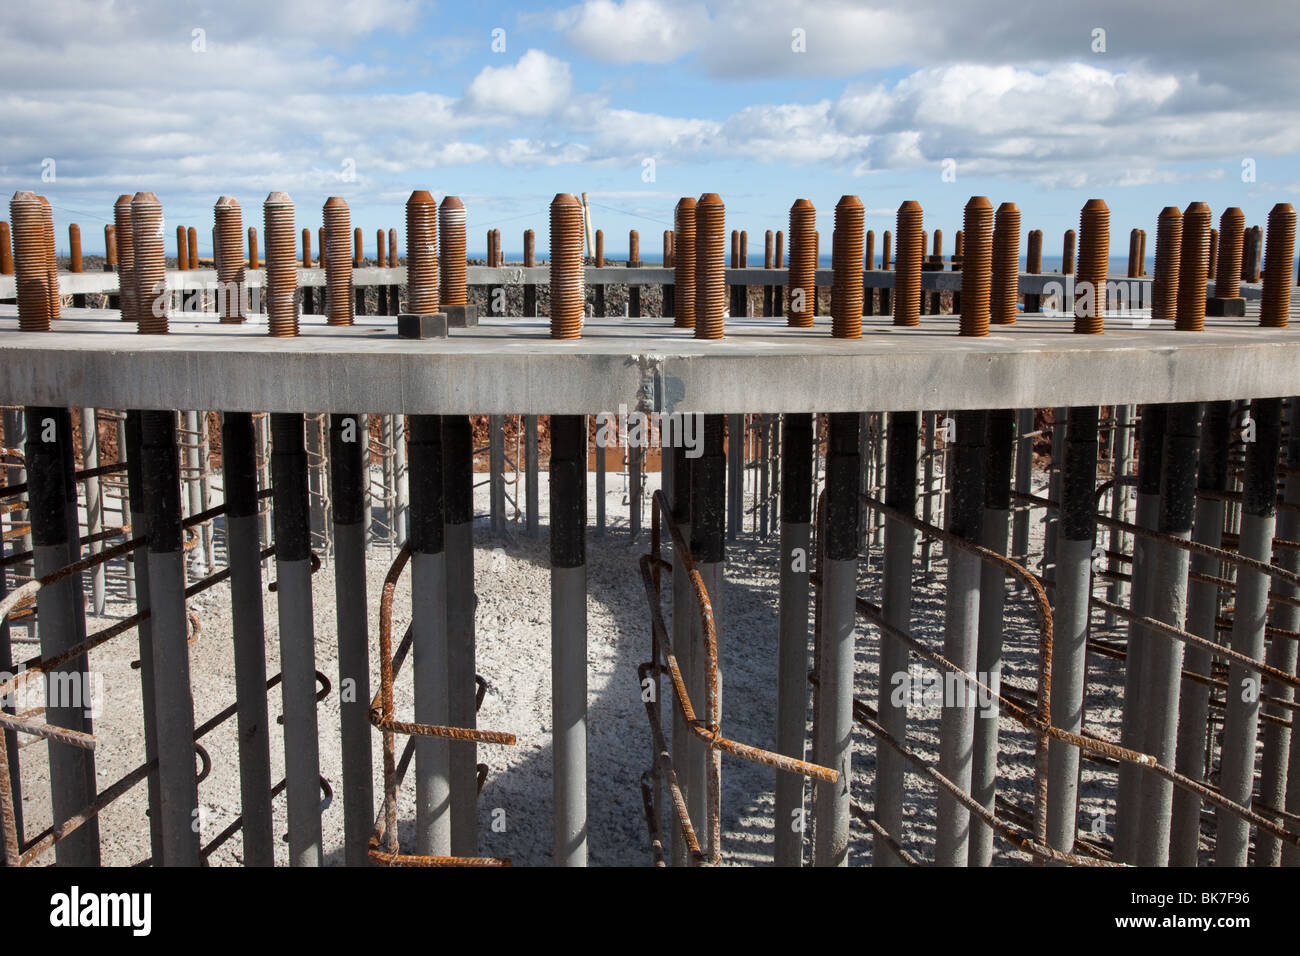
(1178, 468)
(239, 458)
(289, 479)
(160, 470)
(796, 468)
(349, 445)
(1151, 447)
(457, 469)
(900, 466)
(46, 500)
(425, 442)
(968, 477)
(999, 438)
(1259, 482)
(1212, 469)
(568, 491)
(1079, 475)
(843, 468)
(708, 494)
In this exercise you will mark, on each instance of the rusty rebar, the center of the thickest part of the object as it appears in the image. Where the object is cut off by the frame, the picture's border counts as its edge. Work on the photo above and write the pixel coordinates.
(252, 248)
(976, 267)
(1214, 255)
(6, 252)
(51, 262)
(885, 262)
(633, 248)
(150, 262)
(306, 248)
(339, 301)
(778, 253)
(846, 262)
(1067, 253)
(1279, 250)
(421, 253)
(1252, 247)
(110, 245)
(381, 254)
(1005, 284)
(937, 248)
(710, 267)
(1133, 243)
(229, 253)
(907, 270)
(869, 250)
(1193, 268)
(281, 266)
(684, 263)
(959, 244)
(320, 247)
(1227, 265)
(452, 289)
(801, 286)
(33, 278)
(568, 277)
(1169, 245)
(600, 248)
(668, 249)
(1034, 252)
(358, 248)
(125, 258)
(74, 248)
(1094, 260)
(393, 259)
(192, 246)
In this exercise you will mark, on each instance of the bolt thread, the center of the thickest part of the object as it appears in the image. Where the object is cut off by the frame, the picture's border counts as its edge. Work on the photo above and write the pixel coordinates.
(847, 245)
(340, 306)
(1067, 253)
(1005, 287)
(451, 259)
(281, 266)
(907, 269)
(1214, 255)
(32, 279)
(1193, 268)
(976, 266)
(229, 253)
(1169, 245)
(421, 253)
(710, 267)
(801, 291)
(147, 239)
(125, 258)
(51, 263)
(568, 278)
(684, 264)
(1227, 264)
(1279, 250)
(1094, 260)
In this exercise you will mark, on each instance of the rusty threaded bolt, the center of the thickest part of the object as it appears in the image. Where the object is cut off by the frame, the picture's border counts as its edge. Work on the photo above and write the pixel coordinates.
(710, 267)
(253, 262)
(1279, 250)
(74, 248)
(1214, 255)
(381, 256)
(958, 244)
(182, 250)
(633, 248)
(744, 249)
(496, 245)
(684, 263)
(1142, 252)
(229, 254)
(320, 247)
(925, 241)
(600, 248)
(1133, 253)
(1169, 245)
(668, 249)
(568, 276)
(358, 248)
(110, 246)
(33, 278)
(1193, 268)
(340, 305)
(735, 248)
(281, 266)
(192, 246)
(6, 251)
(421, 253)
(869, 251)
(394, 261)
(907, 269)
(530, 253)
(1067, 253)
(801, 285)
(778, 254)
(1034, 252)
(306, 248)
(846, 262)
(938, 244)
(976, 266)
(452, 288)
(885, 262)
(150, 261)
(767, 249)
(51, 262)
(1094, 260)
(1004, 288)
(125, 258)
(1227, 267)
(1251, 251)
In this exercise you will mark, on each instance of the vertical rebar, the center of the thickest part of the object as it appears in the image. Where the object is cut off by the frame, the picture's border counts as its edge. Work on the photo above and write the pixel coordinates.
(462, 602)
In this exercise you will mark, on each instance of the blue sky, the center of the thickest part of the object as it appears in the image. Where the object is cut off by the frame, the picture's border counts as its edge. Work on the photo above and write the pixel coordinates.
(762, 101)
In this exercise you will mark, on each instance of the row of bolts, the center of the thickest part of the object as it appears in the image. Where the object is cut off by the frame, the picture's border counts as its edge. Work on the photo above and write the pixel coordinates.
(987, 249)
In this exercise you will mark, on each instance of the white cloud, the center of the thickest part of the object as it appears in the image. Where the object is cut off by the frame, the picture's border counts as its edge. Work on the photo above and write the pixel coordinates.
(634, 31)
(535, 86)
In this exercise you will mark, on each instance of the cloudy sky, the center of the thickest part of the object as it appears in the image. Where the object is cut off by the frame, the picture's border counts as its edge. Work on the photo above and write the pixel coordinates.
(639, 102)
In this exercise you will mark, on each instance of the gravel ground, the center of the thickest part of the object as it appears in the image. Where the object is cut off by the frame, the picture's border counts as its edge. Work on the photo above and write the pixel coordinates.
(512, 581)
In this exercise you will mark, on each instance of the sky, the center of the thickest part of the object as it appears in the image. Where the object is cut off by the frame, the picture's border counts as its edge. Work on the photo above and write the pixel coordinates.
(641, 102)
